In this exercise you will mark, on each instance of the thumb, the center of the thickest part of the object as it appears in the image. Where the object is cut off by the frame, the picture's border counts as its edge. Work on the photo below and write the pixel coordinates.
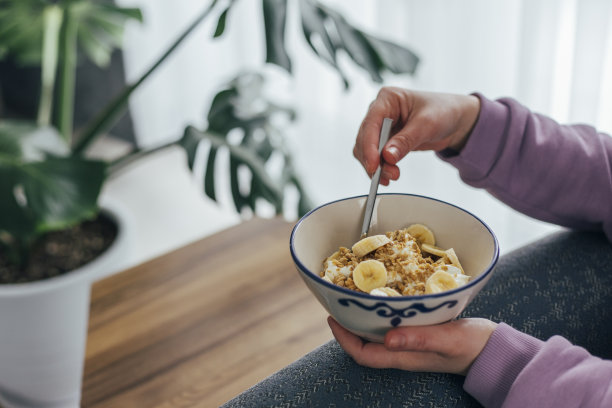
(398, 146)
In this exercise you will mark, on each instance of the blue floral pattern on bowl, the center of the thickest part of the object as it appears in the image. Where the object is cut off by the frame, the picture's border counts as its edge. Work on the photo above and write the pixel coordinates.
(384, 310)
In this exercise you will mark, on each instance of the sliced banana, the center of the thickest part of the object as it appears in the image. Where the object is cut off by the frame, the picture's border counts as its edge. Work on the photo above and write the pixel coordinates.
(370, 274)
(461, 279)
(422, 234)
(455, 272)
(369, 244)
(452, 256)
(335, 255)
(434, 250)
(440, 281)
(326, 278)
(385, 291)
(450, 269)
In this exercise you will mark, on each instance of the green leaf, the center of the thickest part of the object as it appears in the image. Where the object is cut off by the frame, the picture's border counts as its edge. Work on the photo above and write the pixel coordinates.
(221, 117)
(22, 25)
(190, 144)
(275, 16)
(395, 58)
(62, 192)
(357, 46)
(21, 28)
(100, 29)
(22, 141)
(242, 107)
(98, 51)
(328, 32)
(14, 219)
(41, 188)
(121, 13)
(221, 23)
(239, 200)
(241, 156)
(313, 26)
(209, 176)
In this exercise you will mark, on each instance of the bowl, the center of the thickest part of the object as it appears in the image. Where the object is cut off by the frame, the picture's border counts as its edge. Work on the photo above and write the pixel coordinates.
(323, 230)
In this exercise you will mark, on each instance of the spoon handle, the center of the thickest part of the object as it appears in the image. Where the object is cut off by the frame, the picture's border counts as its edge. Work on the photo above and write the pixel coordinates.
(367, 218)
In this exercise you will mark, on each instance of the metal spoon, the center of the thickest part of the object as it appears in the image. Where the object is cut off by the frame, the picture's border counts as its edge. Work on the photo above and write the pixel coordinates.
(367, 217)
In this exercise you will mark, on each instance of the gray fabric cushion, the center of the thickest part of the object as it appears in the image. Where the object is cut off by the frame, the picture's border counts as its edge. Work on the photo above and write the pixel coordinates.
(559, 285)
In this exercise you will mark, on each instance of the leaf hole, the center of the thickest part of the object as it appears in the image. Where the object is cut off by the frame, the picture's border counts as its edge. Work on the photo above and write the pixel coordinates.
(20, 195)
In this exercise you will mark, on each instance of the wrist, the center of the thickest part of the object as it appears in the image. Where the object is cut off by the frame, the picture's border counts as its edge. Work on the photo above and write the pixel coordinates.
(468, 111)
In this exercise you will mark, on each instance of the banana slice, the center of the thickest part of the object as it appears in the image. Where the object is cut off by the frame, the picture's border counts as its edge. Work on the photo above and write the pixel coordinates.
(422, 234)
(434, 250)
(385, 291)
(370, 274)
(455, 272)
(369, 244)
(461, 279)
(440, 281)
(335, 255)
(452, 256)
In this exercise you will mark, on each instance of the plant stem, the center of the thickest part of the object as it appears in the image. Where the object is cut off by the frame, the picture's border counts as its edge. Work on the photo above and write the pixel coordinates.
(67, 73)
(52, 17)
(113, 110)
(136, 154)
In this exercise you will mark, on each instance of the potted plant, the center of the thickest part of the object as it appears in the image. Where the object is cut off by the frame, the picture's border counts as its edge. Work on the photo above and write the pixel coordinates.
(50, 186)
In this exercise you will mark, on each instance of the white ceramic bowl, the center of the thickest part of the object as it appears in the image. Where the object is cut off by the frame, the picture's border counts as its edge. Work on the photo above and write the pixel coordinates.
(323, 230)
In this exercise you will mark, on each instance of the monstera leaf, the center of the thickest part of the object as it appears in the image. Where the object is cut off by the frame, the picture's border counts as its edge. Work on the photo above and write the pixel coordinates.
(327, 33)
(98, 26)
(241, 110)
(42, 189)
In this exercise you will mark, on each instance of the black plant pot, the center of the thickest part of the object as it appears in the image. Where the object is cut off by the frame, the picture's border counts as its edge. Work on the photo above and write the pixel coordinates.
(20, 90)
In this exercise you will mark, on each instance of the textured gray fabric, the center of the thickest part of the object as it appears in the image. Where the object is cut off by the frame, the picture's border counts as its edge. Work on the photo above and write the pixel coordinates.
(559, 285)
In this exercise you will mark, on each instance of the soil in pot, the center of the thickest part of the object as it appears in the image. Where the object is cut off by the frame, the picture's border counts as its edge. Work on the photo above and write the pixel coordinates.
(60, 252)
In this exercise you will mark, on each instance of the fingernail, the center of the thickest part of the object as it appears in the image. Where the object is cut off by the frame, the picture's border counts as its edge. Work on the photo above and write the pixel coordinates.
(397, 341)
(394, 152)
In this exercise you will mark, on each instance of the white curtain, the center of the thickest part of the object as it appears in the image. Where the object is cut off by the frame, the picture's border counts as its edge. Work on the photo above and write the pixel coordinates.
(552, 55)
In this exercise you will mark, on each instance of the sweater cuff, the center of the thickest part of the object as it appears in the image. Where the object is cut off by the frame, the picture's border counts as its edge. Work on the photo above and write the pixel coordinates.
(496, 368)
(480, 153)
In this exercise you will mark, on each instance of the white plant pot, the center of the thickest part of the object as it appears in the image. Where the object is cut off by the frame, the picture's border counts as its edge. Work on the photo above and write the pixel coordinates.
(43, 332)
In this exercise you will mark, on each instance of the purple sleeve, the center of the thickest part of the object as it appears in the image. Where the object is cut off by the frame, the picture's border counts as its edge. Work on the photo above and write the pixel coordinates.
(555, 173)
(517, 370)
(563, 175)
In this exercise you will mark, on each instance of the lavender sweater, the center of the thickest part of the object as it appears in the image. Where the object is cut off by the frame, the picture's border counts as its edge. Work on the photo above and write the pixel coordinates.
(563, 175)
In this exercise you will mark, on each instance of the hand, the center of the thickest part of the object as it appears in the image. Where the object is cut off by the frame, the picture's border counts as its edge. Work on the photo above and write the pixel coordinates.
(421, 121)
(446, 348)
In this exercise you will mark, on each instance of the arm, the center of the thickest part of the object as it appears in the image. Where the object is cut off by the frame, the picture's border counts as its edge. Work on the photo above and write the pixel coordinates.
(560, 174)
(517, 370)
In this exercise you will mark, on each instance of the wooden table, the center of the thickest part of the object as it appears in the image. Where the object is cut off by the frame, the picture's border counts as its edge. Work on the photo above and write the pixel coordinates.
(197, 326)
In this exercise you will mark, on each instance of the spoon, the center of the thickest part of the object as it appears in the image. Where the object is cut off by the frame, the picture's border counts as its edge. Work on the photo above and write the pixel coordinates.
(367, 217)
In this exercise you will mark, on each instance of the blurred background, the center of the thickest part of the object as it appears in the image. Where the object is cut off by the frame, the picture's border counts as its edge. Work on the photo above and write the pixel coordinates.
(554, 56)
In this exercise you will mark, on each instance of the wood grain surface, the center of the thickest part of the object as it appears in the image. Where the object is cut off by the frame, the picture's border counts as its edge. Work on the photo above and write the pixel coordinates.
(197, 326)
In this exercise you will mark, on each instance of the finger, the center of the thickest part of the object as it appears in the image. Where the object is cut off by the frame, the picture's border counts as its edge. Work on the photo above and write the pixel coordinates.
(398, 147)
(390, 172)
(369, 161)
(437, 338)
(365, 353)
(366, 145)
(386, 105)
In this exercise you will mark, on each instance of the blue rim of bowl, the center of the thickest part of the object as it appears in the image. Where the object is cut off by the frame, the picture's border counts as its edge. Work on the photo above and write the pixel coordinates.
(340, 289)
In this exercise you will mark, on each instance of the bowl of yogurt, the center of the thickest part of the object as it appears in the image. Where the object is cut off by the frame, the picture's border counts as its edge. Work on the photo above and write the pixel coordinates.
(422, 263)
